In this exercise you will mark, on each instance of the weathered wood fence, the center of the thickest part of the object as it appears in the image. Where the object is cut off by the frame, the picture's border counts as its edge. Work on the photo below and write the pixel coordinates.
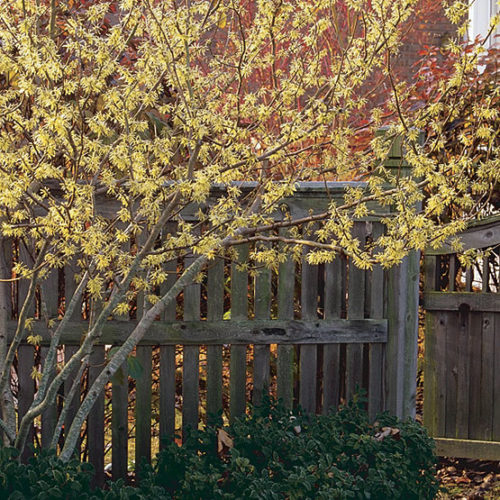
(310, 334)
(462, 347)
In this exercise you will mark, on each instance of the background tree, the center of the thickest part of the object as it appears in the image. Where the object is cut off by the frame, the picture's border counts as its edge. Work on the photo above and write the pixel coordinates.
(115, 116)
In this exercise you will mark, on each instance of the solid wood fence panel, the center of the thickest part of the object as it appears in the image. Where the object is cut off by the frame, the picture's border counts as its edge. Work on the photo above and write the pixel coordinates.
(215, 311)
(239, 311)
(461, 355)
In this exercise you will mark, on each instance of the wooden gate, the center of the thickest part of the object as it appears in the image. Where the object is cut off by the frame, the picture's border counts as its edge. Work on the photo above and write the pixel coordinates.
(462, 347)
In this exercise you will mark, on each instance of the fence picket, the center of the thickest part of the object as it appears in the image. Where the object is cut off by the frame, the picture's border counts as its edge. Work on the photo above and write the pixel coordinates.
(215, 311)
(95, 420)
(335, 273)
(191, 361)
(239, 311)
(376, 351)
(167, 364)
(284, 368)
(487, 372)
(355, 310)
(261, 352)
(119, 423)
(308, 353)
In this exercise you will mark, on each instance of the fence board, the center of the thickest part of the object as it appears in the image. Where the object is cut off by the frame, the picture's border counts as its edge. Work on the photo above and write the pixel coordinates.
(475, 376)
(355, 310)
(95, 420)
(308, 353)
(284, 366)
(143, 406)
(167, 364)
(191, 359)
(463, 373)
(496, 390)
(50, 305)
(119, 423)
(261, 356)
(487, 372)
(451, 363)
(25, 353)
(215, 311)
(377, 351)
(239, 311)
(335, 273)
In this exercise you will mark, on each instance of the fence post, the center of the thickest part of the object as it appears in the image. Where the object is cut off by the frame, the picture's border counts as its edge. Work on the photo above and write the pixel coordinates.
(402, 316)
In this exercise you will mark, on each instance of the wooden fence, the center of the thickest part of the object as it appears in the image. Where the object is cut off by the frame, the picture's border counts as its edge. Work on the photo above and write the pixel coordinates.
(462, 347)
(309, 334)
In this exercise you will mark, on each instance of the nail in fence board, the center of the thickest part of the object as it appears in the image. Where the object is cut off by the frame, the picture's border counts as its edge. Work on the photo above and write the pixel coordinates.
(239, 311)
(261, 353)
(286, 286)
(355, 310)
(308, 353)
(215, 311)
(191, 366)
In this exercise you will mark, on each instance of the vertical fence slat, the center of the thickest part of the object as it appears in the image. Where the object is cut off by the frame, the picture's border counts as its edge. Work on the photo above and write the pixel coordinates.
(335, 274)
(284, 368)
(487, 372)
(191, 359)
(475, 375)
(119, 423)
(451, 379)
(25, 355)
(25, 360)
(452, 272)
(5, 300)
(239, 311)
(463, 363)
(261, 358)
(167, 364)
(496, 376)
(50, 301)
(95, 421)
(215, 311)
(143, 406)
(308, 353)
(69, 289)
(377, 351)
(355, 310)
(431, 364)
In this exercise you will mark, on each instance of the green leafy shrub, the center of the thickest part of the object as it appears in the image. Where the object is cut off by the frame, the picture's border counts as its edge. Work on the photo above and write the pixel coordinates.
(270, 455)
(276, 455)
(47, 477)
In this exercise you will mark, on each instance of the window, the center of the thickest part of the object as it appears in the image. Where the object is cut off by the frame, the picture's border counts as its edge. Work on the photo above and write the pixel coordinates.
(480, 13)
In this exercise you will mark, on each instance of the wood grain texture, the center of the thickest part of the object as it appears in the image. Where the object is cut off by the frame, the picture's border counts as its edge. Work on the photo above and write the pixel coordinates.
(239, 311)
